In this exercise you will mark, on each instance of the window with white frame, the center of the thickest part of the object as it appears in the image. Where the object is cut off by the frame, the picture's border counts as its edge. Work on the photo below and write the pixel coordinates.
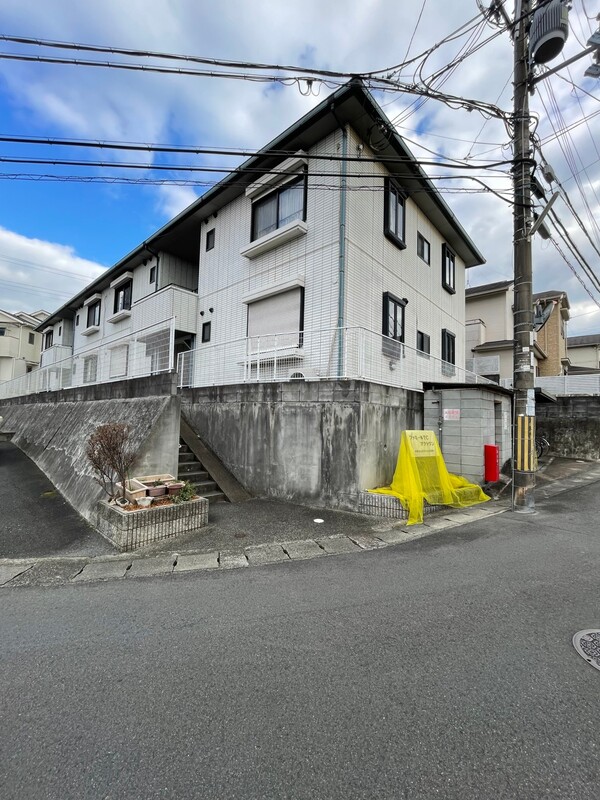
(423, 249)
(278, 320)
(119, 359)
(48, 339)
(285, 204)
(448, 269)
(394, 214)
(90, 369)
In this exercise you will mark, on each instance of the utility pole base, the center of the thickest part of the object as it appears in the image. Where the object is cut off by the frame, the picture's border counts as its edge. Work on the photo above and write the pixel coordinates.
(523, 493)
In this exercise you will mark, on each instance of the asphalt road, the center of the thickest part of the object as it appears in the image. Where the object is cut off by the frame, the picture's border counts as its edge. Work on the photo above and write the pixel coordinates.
(439, 668)
(35, 520)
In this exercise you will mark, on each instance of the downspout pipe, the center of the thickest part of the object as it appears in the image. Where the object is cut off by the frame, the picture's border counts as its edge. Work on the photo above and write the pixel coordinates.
(342, 242)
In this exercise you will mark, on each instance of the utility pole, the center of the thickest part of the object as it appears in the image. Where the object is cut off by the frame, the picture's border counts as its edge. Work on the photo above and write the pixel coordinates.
(524, 456)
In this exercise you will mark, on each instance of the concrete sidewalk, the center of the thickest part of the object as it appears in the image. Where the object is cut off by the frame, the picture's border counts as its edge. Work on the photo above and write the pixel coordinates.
(264, 532)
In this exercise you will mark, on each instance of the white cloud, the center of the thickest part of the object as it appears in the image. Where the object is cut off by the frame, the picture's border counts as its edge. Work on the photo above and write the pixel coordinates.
(174, 199)
(35, 274)
(109, 104)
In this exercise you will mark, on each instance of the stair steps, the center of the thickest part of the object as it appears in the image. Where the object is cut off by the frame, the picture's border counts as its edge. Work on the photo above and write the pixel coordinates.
(190, 469)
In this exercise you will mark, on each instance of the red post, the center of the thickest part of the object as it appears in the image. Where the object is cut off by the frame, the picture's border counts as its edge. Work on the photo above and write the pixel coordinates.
(491, 461)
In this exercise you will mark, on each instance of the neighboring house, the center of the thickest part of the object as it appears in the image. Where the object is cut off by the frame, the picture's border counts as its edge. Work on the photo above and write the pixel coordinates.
(20, 345)
(551, 337)
(489, 331)
(298, 264)
(584, 354)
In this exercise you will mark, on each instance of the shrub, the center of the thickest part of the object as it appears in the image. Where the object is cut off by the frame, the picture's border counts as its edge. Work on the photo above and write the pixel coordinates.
(111, 454)
(187, 491)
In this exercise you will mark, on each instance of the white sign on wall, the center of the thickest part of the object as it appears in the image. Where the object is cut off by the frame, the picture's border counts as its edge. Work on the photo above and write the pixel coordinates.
(452, 413)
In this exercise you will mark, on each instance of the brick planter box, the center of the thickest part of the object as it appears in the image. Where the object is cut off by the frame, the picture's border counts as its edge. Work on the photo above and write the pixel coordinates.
(128, 530)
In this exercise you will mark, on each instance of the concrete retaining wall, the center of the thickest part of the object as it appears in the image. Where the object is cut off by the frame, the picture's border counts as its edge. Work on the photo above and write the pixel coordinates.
(53, 430)
(318, 442)
(572, 426)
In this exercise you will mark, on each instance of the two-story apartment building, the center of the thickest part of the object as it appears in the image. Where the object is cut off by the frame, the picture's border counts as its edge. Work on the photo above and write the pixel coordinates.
(327, 266)
(20, 344)
(328, 254)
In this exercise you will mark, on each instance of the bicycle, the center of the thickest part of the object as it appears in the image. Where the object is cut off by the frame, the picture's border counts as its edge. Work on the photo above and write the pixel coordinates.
(542, 445)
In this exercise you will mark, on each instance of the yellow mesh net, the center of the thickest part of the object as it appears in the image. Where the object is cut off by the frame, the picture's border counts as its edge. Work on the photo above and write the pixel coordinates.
(421, 474)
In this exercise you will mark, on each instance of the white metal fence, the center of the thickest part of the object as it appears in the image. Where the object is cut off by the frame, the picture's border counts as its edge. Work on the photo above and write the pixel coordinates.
(335, 353)
(570, 384)
(145, 352)
(564, 384)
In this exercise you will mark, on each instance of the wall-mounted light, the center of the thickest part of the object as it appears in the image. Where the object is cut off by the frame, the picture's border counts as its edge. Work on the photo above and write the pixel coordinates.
(202, 313)
(211, 310)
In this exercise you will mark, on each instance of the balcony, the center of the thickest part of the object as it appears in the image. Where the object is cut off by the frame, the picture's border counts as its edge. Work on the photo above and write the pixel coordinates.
(172, 302)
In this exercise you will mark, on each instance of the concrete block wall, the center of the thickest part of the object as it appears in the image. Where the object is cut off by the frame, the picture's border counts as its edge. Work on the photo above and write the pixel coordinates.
(481, 422)
(315, 442)
(572, 426)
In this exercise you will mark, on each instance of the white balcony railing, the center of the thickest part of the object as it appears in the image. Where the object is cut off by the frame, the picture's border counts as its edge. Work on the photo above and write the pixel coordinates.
(335, 354)
(145, 352)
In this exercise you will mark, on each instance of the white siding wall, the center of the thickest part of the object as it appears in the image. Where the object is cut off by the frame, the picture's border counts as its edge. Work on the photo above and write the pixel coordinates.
(226, 277)
(375, 265)
(495, 311)
(584, 356)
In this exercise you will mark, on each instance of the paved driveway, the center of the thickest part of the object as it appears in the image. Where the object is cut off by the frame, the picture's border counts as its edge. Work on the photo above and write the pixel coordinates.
(34, 518)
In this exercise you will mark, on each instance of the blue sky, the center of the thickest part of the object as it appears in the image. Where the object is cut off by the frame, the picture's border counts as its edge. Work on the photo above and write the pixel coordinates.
(57, 236)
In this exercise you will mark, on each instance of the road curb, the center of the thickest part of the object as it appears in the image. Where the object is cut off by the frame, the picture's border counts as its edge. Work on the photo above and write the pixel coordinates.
(121, 566)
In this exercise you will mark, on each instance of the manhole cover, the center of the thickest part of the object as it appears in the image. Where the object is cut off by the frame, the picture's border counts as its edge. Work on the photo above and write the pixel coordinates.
(587, 644)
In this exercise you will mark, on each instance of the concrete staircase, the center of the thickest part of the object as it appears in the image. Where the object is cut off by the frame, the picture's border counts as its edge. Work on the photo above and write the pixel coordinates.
(192, 470)
(201, 467)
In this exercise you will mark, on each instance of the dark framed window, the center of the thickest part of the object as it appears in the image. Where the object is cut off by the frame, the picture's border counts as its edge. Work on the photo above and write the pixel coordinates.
(93, 314)
(60, 330)
(393, 317)
(448, 269)
(48, 339)
(2, 331)
(423, 343)
(394, 215)
(448, 347)
(77, 321)
(393, 325)
(31, 338)
(123, 297)
(205, 332)
(152, 275)
(210, 239)
(286, 204)
(423, 249)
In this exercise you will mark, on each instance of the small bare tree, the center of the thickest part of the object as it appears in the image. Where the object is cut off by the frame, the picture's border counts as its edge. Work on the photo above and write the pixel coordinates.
(111, 455)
